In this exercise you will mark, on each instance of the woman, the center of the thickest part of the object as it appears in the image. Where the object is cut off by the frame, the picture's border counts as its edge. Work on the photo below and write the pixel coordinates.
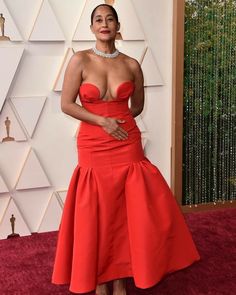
(120, 219)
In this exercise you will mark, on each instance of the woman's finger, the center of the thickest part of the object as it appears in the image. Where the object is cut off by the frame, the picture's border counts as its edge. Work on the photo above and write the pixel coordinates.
(122, 134)
(120, 121)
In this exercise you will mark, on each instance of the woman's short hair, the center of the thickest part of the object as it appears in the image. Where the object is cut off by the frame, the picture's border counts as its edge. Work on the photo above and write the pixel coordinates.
(107, 5)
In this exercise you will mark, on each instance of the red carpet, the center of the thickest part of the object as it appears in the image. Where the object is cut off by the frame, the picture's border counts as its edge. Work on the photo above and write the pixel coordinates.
(26, 263)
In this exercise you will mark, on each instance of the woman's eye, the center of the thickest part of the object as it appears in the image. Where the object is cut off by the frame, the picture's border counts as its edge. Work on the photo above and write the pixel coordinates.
(98, 20)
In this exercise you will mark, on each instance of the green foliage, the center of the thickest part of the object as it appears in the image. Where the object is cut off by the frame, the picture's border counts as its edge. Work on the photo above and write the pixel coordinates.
(209, 167)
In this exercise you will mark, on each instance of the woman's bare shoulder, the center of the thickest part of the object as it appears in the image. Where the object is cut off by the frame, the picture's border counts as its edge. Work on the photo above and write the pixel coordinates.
(80, 57)
(131, 61)
(77, 62)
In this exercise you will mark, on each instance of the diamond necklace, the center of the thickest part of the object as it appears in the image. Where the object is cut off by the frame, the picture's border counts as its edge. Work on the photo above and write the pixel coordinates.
(107, 55)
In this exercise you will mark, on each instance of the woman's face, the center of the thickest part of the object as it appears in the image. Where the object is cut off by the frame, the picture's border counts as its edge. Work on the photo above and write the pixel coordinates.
(104, 25)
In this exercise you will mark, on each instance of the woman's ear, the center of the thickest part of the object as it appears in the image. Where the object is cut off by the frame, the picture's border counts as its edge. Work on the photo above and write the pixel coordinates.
(118, 26)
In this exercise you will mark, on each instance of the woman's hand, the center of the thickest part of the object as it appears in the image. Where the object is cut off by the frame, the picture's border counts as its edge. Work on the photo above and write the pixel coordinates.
(111, 126)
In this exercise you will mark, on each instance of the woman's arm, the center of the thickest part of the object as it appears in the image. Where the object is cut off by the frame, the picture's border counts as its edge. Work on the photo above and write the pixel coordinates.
(70, 90)
(137, 99)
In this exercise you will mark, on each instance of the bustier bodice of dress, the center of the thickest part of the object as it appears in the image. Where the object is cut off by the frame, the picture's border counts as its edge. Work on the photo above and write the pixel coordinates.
(91, 100)
(90, 93)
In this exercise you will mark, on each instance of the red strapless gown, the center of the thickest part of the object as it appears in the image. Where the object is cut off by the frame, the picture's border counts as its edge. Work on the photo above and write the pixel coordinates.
(120, 218)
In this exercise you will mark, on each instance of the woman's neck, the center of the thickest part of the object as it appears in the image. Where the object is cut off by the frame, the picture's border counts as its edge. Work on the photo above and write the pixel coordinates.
(106, 47)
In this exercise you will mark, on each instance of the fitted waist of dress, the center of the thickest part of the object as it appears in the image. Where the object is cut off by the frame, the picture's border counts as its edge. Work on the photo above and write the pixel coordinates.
(93, 136)
(108, 108)
(97, 148)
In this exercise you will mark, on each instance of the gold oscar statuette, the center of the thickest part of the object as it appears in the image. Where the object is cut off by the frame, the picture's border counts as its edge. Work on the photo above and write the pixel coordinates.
(2, 23)
(13, 234)
(8, 137)
(110, 2)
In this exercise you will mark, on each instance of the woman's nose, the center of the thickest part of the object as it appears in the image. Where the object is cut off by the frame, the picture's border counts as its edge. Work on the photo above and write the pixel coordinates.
(104, 23)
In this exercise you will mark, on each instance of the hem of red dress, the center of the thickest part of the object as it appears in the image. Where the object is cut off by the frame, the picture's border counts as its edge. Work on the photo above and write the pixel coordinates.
(106, 279)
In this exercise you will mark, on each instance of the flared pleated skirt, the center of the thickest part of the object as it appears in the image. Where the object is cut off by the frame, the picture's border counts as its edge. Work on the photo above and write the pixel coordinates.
(120, 220)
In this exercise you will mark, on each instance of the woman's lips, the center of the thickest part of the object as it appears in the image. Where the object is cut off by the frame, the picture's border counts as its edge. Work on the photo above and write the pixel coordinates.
(105, 32)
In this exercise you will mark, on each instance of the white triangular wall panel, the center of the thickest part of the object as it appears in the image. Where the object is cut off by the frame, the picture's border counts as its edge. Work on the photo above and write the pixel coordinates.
(22, 105)
(77, 131)
(33, 203)
(60, 77)
(61, 196)
(10, 28)
(15, 130)
(24, 13)
(12, 158)
(9, 60)
(83, 45)
(140, 124)
(68, 13)
(32, 174)
(60, 202)
(21, 227)
(3, 186)
(130, 26)
(46, 27)
(134, 49)
(52, 217)
(4, 201)
(152, 76)
(144, 140)
(83, 31)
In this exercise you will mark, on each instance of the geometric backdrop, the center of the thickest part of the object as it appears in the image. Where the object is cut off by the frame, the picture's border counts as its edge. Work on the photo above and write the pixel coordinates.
(34, 51)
